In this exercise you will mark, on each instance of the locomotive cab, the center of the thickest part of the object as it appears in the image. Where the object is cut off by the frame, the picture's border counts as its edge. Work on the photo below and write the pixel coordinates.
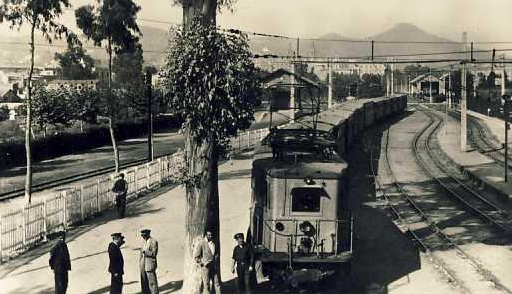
(300, 223)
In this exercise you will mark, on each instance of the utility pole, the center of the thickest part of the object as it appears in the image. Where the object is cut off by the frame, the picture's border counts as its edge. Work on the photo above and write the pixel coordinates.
(450, 88)
(292, 94)
(388, 86)
(430, 84)
(463, 110)
(329, 89)
(150, 117)
(503, 79)
(506, 112)
(392, 77)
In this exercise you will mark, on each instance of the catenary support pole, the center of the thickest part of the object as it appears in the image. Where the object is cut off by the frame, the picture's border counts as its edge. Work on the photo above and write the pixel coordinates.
(149, 117)
(463, 110)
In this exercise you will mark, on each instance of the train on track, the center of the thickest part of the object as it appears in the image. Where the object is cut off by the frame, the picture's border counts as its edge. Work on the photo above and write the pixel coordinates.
(301, 227)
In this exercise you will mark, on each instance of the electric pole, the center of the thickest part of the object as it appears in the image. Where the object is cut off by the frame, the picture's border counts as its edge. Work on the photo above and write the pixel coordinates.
(329, 90)
(150, 117)
(450, 88)
(463, 110)
(430, 84)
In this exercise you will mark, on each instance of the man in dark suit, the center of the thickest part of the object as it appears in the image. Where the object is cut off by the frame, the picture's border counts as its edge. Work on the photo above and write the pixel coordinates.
(120, 188)
(206, 254)
(60, 263)
(116, 264)
(242, 261)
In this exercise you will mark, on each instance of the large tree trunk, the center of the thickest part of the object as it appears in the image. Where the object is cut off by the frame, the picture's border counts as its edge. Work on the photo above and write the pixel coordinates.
(111, 119)
(28, 122)
(202, 209)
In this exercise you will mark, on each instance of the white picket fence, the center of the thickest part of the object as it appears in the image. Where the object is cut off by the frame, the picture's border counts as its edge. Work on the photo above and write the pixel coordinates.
(29, 226)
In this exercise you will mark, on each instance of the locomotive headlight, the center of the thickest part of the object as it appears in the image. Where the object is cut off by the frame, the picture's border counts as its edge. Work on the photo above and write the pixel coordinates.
(309, 181)
(279, 226)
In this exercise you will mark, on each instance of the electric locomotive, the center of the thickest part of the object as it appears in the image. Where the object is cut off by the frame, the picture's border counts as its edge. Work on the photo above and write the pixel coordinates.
(301, 228)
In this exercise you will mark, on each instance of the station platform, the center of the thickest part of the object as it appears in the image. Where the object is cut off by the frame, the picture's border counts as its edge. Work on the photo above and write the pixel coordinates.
(495, 125)
(476, 165)
(162, 211)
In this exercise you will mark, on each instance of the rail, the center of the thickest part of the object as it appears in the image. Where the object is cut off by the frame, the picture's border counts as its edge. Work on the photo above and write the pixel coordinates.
(30, 225)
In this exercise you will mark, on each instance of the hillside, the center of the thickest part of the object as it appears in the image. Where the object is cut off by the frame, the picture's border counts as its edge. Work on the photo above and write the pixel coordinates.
(155, 40)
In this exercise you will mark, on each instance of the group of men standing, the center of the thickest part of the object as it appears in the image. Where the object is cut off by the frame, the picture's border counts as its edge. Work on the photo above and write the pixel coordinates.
(206, 254)
(60, 263)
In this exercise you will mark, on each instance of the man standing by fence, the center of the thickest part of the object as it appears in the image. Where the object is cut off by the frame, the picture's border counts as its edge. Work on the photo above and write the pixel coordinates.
(60, 263)
(120, 188)
(148, 263)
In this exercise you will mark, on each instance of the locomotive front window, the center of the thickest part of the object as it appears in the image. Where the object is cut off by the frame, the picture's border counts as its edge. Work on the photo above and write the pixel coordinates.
(306, 199)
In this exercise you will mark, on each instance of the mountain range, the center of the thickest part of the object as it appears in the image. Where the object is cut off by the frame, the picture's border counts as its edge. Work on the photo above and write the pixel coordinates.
(15, 51)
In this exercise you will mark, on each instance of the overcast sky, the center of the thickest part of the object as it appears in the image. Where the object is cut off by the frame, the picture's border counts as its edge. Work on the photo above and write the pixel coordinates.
(484, 20)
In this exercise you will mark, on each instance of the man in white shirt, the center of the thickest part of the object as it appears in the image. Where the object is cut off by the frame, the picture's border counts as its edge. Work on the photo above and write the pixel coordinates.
(207, 256)
(148, 263)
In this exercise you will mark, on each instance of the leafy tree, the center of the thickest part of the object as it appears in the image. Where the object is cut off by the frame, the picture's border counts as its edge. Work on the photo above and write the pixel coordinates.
(39, 15)
(129, 80)
(4, 113)
(51, 107)
(344, 85)
(371, 86)
(75, 63)
(112, 22)
(413, 71)
(85, 105)
(211, 81)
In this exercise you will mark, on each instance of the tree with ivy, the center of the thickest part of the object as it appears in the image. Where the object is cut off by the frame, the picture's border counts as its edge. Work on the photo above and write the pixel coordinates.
(41, 16)
(210, 79)
(111, 23)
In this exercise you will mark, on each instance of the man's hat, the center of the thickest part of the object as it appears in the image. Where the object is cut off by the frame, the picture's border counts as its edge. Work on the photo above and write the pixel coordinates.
(239, 236)
(145, 231)
(117, 235)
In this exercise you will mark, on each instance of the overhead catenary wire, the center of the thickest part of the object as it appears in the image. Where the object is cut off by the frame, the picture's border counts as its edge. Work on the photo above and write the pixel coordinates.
(231, 30)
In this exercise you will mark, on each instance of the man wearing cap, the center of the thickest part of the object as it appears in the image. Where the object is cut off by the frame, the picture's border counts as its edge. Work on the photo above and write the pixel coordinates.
(242, 262)
(120, 188)
(148, 263)
(116, 263)
(60, 263)
(207, 256)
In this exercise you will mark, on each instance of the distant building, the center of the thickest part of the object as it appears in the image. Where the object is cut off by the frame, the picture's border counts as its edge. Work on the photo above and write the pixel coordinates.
(278, 95)
(72, 84)
(353, 67)
(422, 85)
(12, 101)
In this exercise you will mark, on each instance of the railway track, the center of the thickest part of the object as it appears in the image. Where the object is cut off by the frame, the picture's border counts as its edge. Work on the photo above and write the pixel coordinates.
(483, 142)
(461, 190)
(450, 258)
(66, 180)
